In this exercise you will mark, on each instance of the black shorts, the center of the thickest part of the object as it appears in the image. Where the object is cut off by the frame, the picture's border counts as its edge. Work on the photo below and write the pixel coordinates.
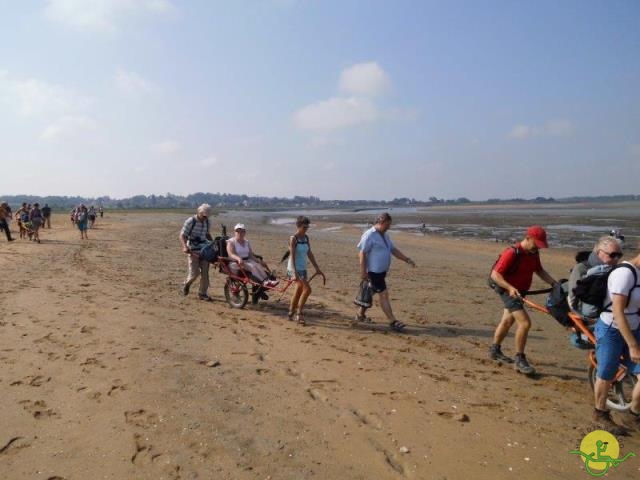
(378, 285)
(510, 303)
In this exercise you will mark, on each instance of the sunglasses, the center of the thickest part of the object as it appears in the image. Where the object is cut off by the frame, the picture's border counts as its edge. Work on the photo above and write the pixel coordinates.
(613, 254)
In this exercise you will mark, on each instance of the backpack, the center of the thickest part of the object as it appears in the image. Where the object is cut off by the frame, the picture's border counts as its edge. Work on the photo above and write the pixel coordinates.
(558, 305)
(512, 268)
(592, 289)
(209, 252)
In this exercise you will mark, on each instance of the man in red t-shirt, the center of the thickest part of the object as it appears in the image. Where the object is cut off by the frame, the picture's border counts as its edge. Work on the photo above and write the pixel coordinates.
(511, 275)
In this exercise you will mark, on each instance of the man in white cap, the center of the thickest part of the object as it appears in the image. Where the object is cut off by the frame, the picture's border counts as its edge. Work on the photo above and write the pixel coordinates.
(194, 233)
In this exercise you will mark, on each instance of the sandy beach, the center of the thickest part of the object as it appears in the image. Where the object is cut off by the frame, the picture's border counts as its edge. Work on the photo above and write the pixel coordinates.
(108, 373)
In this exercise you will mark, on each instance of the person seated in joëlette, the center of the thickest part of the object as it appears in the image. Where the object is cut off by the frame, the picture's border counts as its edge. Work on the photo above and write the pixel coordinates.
(239, 250)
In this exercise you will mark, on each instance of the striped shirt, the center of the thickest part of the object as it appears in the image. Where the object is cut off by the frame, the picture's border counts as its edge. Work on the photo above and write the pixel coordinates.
(195, 230)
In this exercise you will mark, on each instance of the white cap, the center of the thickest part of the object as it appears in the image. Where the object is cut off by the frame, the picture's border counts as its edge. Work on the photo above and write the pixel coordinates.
(239, 226)
(205, 209)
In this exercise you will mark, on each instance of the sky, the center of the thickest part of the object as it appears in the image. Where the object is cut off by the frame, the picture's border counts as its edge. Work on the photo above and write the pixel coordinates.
(338, 99)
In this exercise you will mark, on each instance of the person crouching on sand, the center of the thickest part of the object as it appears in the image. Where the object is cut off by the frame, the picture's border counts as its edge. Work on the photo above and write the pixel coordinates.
(511, 276)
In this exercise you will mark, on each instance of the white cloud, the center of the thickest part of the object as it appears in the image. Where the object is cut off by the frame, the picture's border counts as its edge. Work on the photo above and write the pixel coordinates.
(33, 97)
(366, 79)
(336, 113)
(209, 161)
(557, 128)
(69, 127)
(521, 132)
(132, 83)
(168, 147)
(103, 15)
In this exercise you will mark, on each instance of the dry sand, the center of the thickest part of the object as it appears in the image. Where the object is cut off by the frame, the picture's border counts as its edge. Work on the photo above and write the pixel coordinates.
(106, 371)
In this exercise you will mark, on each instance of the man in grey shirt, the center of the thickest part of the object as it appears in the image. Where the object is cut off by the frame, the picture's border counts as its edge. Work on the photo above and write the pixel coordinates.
(194, 234)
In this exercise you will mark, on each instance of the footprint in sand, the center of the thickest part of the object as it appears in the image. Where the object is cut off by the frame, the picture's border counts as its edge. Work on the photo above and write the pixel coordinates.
(14, 443)
(317, 394)
(117, 387)
(372, 420)
(38, 408)
(141, 418)
(145, 453)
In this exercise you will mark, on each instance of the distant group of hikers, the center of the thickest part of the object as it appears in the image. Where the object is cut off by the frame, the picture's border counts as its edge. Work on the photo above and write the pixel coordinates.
(84, 218)
(615, 318)
(31, 218)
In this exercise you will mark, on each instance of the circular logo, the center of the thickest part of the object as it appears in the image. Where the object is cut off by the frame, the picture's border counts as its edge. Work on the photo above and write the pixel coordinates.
(599, 445)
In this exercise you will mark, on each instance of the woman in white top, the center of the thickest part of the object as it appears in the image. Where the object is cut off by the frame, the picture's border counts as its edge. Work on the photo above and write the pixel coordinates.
(618, 333)
(239, 249)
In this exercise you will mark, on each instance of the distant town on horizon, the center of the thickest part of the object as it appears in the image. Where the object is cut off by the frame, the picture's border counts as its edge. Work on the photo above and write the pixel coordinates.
(228, 200)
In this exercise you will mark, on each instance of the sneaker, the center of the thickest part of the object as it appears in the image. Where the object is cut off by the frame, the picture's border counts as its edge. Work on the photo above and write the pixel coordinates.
(495, 353)
(522, 365)
(270, 283)
(184, 290)
(602, 419)
(204, 297)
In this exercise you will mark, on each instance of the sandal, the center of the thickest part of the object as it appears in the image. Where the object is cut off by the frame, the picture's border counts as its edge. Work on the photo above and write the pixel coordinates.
(300, 319)
(363, 319)
(397, 326)
(291, 316)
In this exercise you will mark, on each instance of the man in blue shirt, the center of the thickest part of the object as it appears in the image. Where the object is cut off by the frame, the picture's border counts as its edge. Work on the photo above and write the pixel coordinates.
(375, 253)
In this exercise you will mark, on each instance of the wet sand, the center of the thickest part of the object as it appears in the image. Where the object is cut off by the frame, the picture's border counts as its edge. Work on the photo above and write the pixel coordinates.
(107, 372)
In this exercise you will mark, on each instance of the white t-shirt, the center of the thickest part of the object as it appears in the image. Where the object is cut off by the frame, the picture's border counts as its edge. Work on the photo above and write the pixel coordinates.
(621, 282)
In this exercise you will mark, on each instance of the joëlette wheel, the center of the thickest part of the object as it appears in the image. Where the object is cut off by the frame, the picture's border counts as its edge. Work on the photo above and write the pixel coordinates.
(236, 293)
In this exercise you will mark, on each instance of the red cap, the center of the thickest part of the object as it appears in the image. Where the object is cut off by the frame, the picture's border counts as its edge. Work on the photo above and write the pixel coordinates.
(539, 236)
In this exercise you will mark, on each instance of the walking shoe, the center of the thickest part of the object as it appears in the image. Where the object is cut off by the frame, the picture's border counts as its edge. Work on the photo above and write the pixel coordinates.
(204, 297)
(270, 283)
(632, 420)
(522, 365)
(495, 353)
(602, 419)
(184, 290)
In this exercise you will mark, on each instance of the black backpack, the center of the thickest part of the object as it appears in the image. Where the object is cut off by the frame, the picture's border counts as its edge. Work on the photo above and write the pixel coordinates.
(558, 306)
(592, 289)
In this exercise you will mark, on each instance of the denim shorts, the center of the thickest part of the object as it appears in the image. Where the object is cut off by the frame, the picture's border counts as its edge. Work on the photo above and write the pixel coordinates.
(610, 345)
(302, 274)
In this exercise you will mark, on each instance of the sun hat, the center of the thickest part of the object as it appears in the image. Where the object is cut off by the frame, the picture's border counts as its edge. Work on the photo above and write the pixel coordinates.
(539, 236)
(239, 226)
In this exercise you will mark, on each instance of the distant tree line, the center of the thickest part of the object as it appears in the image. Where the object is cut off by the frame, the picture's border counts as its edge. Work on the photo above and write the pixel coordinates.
(229, 200)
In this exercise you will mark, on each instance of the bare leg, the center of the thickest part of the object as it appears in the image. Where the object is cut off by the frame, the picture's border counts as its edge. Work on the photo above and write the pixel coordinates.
(601, 390)
(635, 396)
(385, 304)
(522, 332)
(503, 327)
(293, 306)
(306, 291)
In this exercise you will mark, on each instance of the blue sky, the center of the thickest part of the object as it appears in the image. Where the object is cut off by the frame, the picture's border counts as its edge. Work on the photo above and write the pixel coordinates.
(338, 99)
